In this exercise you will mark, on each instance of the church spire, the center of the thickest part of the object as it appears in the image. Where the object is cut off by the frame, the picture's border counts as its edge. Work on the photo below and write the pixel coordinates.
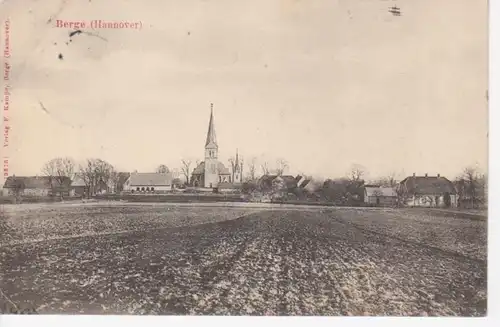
(211, 139)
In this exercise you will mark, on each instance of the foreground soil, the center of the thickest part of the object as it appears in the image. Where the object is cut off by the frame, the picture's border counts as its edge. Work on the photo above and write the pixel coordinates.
(227, 261)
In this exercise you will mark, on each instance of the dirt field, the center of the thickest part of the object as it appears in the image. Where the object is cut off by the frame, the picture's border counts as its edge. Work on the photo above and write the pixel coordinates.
(168, 259)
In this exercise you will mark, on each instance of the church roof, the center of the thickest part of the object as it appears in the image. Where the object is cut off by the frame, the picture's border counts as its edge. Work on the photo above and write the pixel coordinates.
(211, 137)
(200, 169)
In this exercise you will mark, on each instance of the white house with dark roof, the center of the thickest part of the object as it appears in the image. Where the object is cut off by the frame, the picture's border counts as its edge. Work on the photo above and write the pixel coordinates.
(427, 191)
(148, 183)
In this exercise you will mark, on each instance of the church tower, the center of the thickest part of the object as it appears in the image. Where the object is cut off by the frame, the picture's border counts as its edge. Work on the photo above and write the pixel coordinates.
(211, 149)
(237, 170)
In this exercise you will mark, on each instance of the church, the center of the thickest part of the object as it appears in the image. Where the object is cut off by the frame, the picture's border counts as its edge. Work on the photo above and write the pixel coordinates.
(211, 173)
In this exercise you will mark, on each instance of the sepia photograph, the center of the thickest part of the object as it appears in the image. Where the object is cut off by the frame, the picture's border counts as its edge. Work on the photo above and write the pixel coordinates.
(244, 158)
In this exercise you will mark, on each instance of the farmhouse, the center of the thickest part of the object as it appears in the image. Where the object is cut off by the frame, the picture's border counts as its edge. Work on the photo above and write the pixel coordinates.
(148, 183)
(380, 196)
(36, 185)
(427, 191)
(211, 172)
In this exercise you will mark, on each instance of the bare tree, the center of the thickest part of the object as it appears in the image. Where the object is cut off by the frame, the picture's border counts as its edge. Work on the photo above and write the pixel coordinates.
(186, 166)
(252, 170)
(232, 162)
(115, 180)
(265, 168)
(483, 184)
(281, 166)
(96, 174)
(356, 173)
(61, 171)
(470, 181)
(88, 176)
(387, 181)
(378, 194)
(103, 172)
(162, 169)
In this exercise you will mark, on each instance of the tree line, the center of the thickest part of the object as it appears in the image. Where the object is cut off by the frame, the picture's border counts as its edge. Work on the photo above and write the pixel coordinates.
(98, 175)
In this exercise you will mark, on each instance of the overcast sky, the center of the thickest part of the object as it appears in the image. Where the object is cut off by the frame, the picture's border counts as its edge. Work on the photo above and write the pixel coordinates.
(321, 83)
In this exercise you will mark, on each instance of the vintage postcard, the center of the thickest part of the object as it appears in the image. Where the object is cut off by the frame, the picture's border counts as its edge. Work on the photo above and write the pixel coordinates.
(245, 158)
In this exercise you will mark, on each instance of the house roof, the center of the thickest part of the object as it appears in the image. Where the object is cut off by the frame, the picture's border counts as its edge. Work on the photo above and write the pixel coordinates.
(314, 184)
(289, 180)
(200, 169)
(428, 185)
(78, 181)
(304, 183)
(151, 179)
(380, 191)
(34, 182)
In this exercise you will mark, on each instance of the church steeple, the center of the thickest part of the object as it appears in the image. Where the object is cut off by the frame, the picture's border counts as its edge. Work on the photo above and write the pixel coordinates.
(211, 138)
(211, 174)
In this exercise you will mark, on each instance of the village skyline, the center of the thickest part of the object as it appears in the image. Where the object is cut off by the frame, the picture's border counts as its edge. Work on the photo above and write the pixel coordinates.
(261, 166)
(270, 163)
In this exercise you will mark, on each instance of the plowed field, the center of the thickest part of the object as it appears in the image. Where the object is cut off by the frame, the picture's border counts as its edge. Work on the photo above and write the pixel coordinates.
(167, 259)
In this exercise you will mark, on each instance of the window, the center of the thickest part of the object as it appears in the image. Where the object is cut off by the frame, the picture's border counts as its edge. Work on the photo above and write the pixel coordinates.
(142, 189)
(147, 189)
(138, 188)
(152, 189)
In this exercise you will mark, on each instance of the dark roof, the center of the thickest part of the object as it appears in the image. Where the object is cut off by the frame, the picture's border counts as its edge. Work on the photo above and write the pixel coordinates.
(78, 181)
(304, 183)
(428, 185)
(122, 177)
(201, 169)
(289, 180)
(35, 182)
(150, 179)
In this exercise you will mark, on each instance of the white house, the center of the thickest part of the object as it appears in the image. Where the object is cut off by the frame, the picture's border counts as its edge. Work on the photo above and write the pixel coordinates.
(428, 191)
(148, 183)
